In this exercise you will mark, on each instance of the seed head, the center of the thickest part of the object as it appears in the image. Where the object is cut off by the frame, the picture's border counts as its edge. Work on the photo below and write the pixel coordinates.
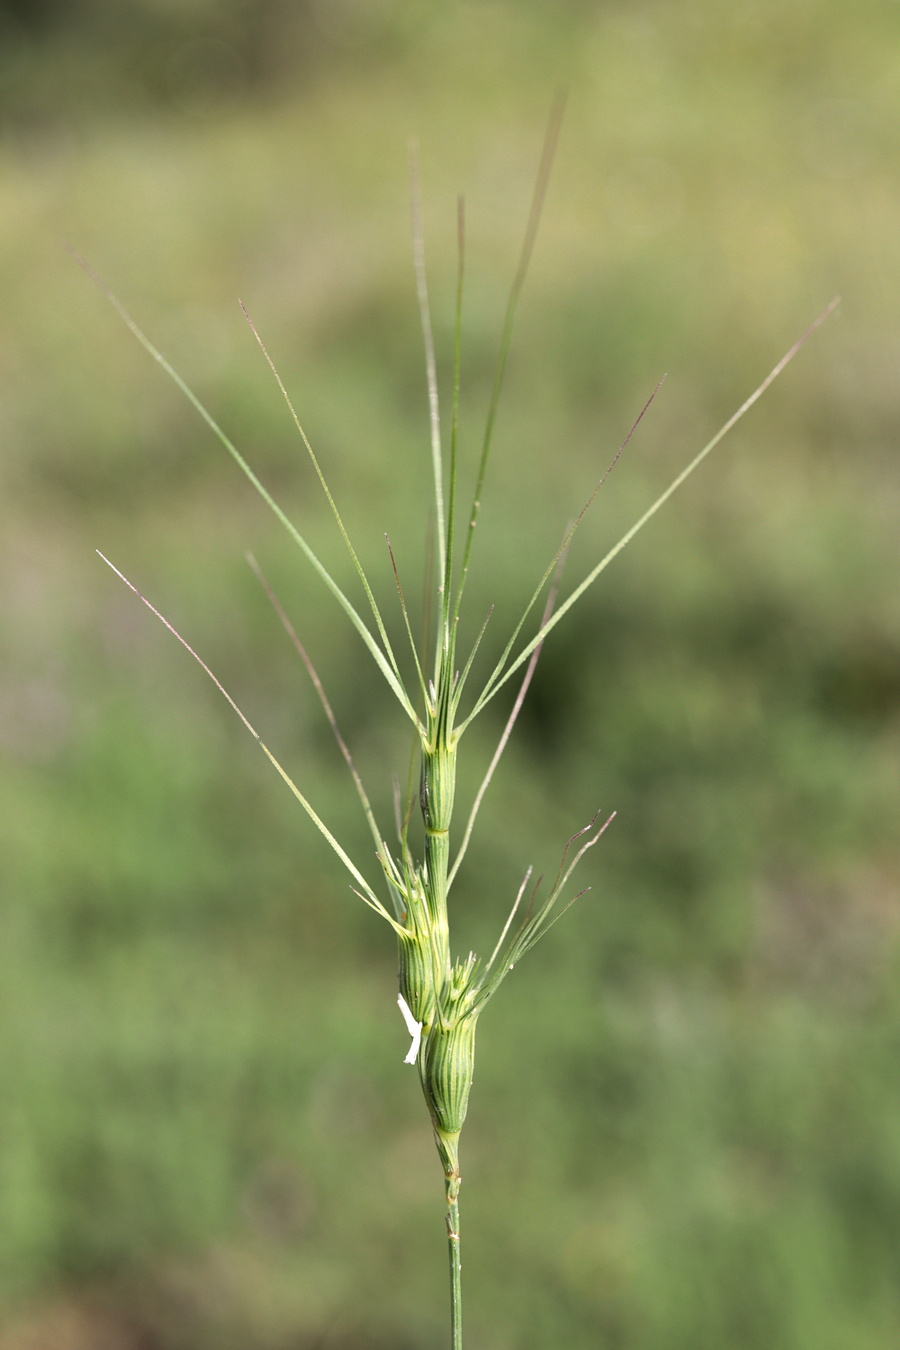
(447, 1059)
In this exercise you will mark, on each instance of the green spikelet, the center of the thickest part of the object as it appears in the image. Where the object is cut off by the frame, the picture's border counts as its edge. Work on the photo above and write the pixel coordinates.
(421, 959)
(437, 787)
(447, 1067)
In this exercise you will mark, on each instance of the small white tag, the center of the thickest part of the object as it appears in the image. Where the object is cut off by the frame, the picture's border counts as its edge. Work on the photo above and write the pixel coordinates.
(413, 1027)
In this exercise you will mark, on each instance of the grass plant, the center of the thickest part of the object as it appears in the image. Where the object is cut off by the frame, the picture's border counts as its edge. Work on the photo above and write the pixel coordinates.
(442, 994)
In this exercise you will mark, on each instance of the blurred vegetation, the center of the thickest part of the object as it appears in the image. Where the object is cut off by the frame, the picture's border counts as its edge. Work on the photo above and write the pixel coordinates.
(685, 1133)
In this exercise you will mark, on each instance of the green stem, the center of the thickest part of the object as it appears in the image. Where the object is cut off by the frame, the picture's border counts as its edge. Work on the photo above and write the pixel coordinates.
(455, 1263)
(448, 1151)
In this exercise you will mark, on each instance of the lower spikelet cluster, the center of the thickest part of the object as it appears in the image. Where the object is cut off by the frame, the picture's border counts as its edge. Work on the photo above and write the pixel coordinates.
(441, 999)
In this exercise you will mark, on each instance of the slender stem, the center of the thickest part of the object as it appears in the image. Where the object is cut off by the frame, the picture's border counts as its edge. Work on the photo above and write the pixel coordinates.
(448, 1151)
(455, 1270)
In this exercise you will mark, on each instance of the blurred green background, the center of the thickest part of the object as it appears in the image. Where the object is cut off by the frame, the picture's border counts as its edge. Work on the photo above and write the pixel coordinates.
(685, 1129)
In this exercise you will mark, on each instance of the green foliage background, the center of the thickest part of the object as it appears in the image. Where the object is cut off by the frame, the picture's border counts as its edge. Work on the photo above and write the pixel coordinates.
(685, 1129)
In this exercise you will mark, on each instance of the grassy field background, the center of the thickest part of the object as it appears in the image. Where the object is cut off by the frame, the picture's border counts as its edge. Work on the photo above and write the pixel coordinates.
(685, 1128)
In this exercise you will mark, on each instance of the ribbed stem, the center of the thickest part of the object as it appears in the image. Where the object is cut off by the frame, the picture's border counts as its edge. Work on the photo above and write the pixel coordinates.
(455, 1274)
(437, 858)
(448, 1149)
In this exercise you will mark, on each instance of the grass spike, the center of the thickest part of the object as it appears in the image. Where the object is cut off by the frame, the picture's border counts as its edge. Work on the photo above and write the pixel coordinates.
(322, 696)
(346, 605)
(441, 996)
(405, 612)
(368, 894)
(554, 563)
(461, 682)
(651, 511)
(382, 632)
(434, 412)
(537, 923)
(551, 138)
(445, 634)
(506, 927)
(510, 723)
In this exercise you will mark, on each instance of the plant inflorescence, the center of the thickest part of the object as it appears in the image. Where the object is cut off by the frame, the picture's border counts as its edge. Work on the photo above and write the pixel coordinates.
(441, 995)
